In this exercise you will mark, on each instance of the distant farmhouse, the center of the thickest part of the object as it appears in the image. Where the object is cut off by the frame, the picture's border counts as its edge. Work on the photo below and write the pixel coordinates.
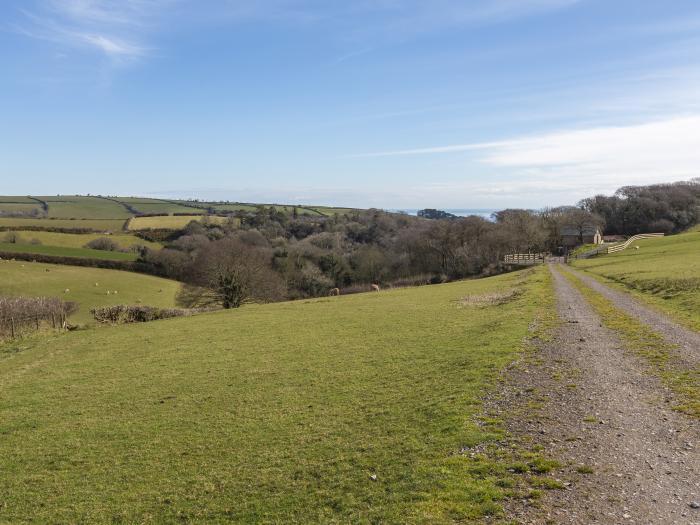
(572, 237)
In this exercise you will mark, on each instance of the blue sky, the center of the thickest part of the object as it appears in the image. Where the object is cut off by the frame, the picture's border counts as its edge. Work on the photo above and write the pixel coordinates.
(389, 103)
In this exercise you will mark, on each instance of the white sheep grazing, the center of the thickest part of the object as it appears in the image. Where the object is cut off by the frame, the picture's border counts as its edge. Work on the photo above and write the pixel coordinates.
(636, 247)
(109, 293)
(115, 292)
(67, 290)
(97, 284)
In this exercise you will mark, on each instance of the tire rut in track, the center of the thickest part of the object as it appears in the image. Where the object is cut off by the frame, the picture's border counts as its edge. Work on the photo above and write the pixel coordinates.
(687, 341)
(611, 417)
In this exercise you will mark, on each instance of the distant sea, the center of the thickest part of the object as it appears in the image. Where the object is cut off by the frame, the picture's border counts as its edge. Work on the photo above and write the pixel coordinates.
(460, 212)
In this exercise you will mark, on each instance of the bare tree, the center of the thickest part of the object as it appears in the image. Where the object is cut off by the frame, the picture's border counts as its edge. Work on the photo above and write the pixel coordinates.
(230, 273)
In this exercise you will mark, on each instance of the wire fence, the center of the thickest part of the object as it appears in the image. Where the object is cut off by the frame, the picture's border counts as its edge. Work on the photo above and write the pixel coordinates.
(22, 315)
(15, 326)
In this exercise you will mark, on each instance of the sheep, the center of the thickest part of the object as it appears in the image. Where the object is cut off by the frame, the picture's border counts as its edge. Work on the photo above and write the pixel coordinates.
(375, 287)
(67, 290)
(334, 291)
(109, 293)
(115, 292)
(97, 284)
(636, 247)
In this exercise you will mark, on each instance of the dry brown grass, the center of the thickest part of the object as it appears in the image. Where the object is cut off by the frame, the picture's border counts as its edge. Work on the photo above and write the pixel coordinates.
(491, 298)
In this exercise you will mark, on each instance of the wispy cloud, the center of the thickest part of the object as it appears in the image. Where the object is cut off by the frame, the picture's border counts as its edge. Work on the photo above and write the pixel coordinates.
(577, 162)
(384, 21)
(115, 28)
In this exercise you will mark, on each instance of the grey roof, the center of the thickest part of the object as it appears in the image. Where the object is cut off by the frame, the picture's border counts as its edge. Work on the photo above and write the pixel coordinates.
(574, 232)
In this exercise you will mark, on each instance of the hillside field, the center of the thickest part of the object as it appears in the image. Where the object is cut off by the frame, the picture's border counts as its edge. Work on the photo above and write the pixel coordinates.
(32, 279)
(74, 240)
(98, 225)
(663, 272)
(170, 222)
(144, 205)
(64, 211)
(278, 413)
(62, 251)
(73, 207)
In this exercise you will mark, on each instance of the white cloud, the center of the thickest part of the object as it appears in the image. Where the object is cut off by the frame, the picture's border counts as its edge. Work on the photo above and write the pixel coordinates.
(113, 47)
(115, 28)
(596, 159)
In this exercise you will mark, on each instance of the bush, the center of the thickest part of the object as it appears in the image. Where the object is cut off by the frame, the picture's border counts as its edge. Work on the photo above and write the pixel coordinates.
(124, 314)
(12, 238)
(103, 243)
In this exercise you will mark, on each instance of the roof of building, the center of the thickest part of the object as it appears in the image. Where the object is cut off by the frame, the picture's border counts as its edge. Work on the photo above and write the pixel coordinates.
(574, 232)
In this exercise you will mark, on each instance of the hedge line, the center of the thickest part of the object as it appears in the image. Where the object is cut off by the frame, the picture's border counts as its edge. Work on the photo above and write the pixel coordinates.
(51, 229)
(128, 266)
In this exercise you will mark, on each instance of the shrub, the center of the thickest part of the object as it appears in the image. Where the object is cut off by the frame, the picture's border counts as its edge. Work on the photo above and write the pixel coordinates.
(124, 314)
(103, 243)
(12, 238)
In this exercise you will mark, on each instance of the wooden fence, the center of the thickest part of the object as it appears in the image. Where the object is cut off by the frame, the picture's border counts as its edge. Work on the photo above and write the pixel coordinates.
(618, 247)
(525, 259)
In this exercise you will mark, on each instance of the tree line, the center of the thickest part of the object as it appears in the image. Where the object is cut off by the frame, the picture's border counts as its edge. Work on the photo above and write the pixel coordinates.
(268, 255)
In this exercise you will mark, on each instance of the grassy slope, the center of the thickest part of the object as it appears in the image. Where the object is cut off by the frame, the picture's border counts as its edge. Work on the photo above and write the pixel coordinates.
(144, 205)
(63, 207)
(113, 225)
(71, 207)
(23, 199)
(62, 251)
(32, 279)
(663, 272)
(167, 222)
(74, 240)
(275, 414)
(15, 207)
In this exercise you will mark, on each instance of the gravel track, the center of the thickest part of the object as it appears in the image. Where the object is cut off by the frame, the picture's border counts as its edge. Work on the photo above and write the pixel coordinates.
(688, 341)
(605, 412)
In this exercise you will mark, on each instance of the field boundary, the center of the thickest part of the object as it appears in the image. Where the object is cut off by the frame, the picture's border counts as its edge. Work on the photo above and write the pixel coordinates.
(618, 247)
(108, 264)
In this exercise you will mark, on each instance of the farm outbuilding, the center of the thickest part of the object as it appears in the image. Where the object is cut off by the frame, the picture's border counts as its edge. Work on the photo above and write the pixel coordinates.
(575, 237)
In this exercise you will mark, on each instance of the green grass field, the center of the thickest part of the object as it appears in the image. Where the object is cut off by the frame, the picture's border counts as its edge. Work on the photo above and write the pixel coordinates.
(14, 204)
(328, 210)
(144, 205)
(72, 207)
(169, 222)
(99, 225)
(61, 251)
(32, 279)
(268, 414)
(74, 240)
(19, 207)
(663, 272)
(110, 213)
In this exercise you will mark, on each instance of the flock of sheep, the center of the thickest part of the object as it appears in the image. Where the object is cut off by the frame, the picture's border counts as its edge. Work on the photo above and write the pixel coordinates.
(109, 292)
(67, 290)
